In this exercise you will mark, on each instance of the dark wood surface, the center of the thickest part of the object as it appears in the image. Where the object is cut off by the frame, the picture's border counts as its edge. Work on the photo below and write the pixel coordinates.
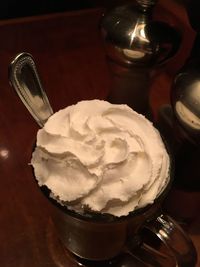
(69, 54)
(71, 63)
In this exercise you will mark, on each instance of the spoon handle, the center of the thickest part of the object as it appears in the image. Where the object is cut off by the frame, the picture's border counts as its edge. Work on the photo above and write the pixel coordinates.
(24, 78)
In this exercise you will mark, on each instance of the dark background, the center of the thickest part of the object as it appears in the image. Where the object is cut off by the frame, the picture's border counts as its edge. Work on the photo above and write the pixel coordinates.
(22, 8)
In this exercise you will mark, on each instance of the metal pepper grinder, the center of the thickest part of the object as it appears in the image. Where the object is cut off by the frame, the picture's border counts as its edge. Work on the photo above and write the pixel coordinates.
(185, 93)
(135, 44)
(184, 130)
(183, 202)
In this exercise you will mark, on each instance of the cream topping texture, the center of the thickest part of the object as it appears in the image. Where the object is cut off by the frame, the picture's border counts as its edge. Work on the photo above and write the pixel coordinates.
(103, 157)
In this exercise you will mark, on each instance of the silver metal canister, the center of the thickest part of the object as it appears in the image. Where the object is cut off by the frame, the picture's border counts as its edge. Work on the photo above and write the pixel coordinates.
(135, 44)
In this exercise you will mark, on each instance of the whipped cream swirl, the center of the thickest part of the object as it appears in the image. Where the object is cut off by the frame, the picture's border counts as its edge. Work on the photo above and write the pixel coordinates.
(101, 157)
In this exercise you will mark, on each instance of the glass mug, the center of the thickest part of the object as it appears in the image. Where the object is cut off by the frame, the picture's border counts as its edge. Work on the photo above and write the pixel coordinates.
(100, 237)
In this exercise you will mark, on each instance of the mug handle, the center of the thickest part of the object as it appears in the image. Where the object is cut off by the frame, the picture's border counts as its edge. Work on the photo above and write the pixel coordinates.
(177, 247)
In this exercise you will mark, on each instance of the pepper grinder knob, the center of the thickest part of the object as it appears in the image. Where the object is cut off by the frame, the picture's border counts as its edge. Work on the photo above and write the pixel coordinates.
(146, 3)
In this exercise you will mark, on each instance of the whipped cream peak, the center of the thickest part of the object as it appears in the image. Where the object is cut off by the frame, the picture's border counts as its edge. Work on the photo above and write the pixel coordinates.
(104, 157)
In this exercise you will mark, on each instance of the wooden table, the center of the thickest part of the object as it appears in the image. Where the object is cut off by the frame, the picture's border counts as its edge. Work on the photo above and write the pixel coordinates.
(71, 61)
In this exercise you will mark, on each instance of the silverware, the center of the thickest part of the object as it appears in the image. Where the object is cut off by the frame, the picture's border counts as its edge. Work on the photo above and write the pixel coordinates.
(24, 78)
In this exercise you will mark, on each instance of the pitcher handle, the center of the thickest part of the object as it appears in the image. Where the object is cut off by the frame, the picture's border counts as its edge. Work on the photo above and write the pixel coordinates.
(178, 249)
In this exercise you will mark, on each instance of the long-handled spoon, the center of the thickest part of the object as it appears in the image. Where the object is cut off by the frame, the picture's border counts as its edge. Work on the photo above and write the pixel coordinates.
(24, 78)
